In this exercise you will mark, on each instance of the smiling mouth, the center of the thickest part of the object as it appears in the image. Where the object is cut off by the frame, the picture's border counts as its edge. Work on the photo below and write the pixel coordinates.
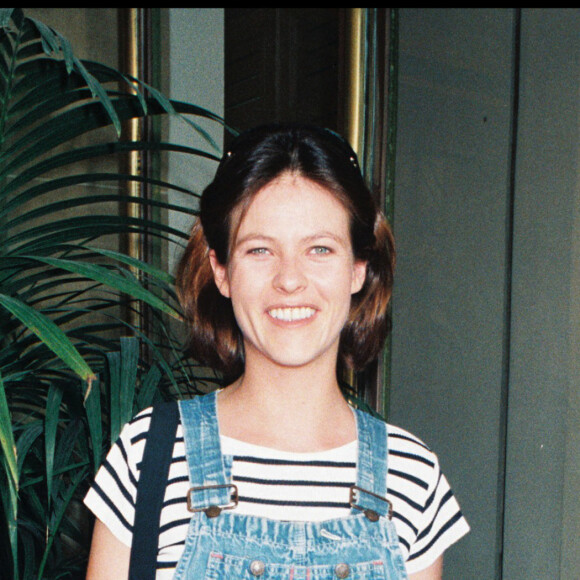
(292, 314)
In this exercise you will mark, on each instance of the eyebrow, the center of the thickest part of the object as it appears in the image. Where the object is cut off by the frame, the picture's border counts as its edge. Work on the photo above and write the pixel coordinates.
(308, 239)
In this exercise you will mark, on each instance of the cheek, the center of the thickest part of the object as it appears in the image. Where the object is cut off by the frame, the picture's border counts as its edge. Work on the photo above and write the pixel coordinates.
(243, 287)
(338, 287)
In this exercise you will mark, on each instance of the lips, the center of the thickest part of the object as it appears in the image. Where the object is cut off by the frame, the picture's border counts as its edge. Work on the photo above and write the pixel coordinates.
(292, 314)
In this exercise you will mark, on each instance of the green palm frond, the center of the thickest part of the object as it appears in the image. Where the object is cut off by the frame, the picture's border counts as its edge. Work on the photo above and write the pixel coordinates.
(50, 100)
(69, 379)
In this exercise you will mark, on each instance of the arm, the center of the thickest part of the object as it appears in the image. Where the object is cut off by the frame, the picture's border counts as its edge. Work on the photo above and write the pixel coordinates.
(433, 572)
(109, 558)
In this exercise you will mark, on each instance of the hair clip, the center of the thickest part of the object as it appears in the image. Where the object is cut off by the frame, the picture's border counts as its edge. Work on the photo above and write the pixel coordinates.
(353, 160)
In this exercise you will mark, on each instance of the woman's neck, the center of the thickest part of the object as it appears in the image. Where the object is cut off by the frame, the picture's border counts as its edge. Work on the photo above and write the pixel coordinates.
(292, 409)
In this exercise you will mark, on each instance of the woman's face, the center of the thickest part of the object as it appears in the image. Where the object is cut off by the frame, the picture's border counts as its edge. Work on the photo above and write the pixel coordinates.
(291, 273)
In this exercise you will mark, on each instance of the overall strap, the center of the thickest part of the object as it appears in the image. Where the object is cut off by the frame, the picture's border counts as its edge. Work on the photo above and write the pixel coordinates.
(209, 472)
(151, 490)
(371, 489)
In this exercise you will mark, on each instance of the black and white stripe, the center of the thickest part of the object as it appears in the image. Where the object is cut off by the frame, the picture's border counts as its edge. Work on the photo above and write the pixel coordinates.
(285, 486)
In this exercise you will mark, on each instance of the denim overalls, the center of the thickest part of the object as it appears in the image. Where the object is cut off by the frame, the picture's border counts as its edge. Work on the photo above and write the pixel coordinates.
(223, 545)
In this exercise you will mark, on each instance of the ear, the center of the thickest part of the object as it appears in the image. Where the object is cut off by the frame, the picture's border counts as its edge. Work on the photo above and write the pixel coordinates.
(220, 274)
(359, 275)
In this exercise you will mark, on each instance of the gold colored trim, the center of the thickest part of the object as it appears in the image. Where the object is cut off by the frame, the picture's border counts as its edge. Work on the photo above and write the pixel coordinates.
(354, 96)
(134, 128)
(354, 117)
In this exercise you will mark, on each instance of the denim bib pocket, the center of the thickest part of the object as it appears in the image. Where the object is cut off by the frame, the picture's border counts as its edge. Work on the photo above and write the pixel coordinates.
(227, 567)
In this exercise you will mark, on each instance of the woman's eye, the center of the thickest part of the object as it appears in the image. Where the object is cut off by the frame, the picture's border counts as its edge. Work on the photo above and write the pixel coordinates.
(258, 251)
(321, 250)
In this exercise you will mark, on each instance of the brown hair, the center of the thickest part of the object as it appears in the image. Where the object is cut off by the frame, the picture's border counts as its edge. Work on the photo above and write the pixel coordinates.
(255, 159)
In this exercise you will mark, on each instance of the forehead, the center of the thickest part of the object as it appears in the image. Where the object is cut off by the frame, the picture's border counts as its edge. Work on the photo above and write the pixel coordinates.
(291, 202)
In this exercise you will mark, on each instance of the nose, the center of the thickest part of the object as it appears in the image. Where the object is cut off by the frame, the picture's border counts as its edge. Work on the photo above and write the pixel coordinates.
(289, 277)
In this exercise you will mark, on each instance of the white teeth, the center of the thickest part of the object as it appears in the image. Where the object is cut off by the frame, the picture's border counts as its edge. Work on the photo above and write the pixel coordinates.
(292, 314)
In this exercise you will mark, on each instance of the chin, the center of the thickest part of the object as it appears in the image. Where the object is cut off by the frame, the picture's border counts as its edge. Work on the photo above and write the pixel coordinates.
(295, 359)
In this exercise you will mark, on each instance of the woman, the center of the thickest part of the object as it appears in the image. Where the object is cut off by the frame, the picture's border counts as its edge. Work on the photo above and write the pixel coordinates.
(287, 275)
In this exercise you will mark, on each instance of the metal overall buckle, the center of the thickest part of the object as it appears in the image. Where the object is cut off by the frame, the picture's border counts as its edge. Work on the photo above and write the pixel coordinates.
(370, 514)
(213, 510)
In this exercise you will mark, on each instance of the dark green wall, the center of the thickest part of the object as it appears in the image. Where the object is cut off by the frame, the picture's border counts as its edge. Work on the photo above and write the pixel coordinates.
(486, 317)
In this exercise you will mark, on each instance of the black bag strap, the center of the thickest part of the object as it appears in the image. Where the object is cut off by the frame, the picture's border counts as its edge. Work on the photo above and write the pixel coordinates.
(151, 490)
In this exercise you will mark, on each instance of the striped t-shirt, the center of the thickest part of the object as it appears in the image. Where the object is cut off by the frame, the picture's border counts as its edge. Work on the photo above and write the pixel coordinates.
(285, 486)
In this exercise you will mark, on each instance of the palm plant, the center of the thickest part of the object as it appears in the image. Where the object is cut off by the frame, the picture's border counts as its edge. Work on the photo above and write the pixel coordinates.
(67, 383)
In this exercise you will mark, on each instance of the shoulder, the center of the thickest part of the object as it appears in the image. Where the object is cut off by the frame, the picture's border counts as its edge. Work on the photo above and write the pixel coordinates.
(404, 448)
(426, 513)
(113, 492)
(409, 447)
(138, 427)
(413, 467)
(129, 447)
